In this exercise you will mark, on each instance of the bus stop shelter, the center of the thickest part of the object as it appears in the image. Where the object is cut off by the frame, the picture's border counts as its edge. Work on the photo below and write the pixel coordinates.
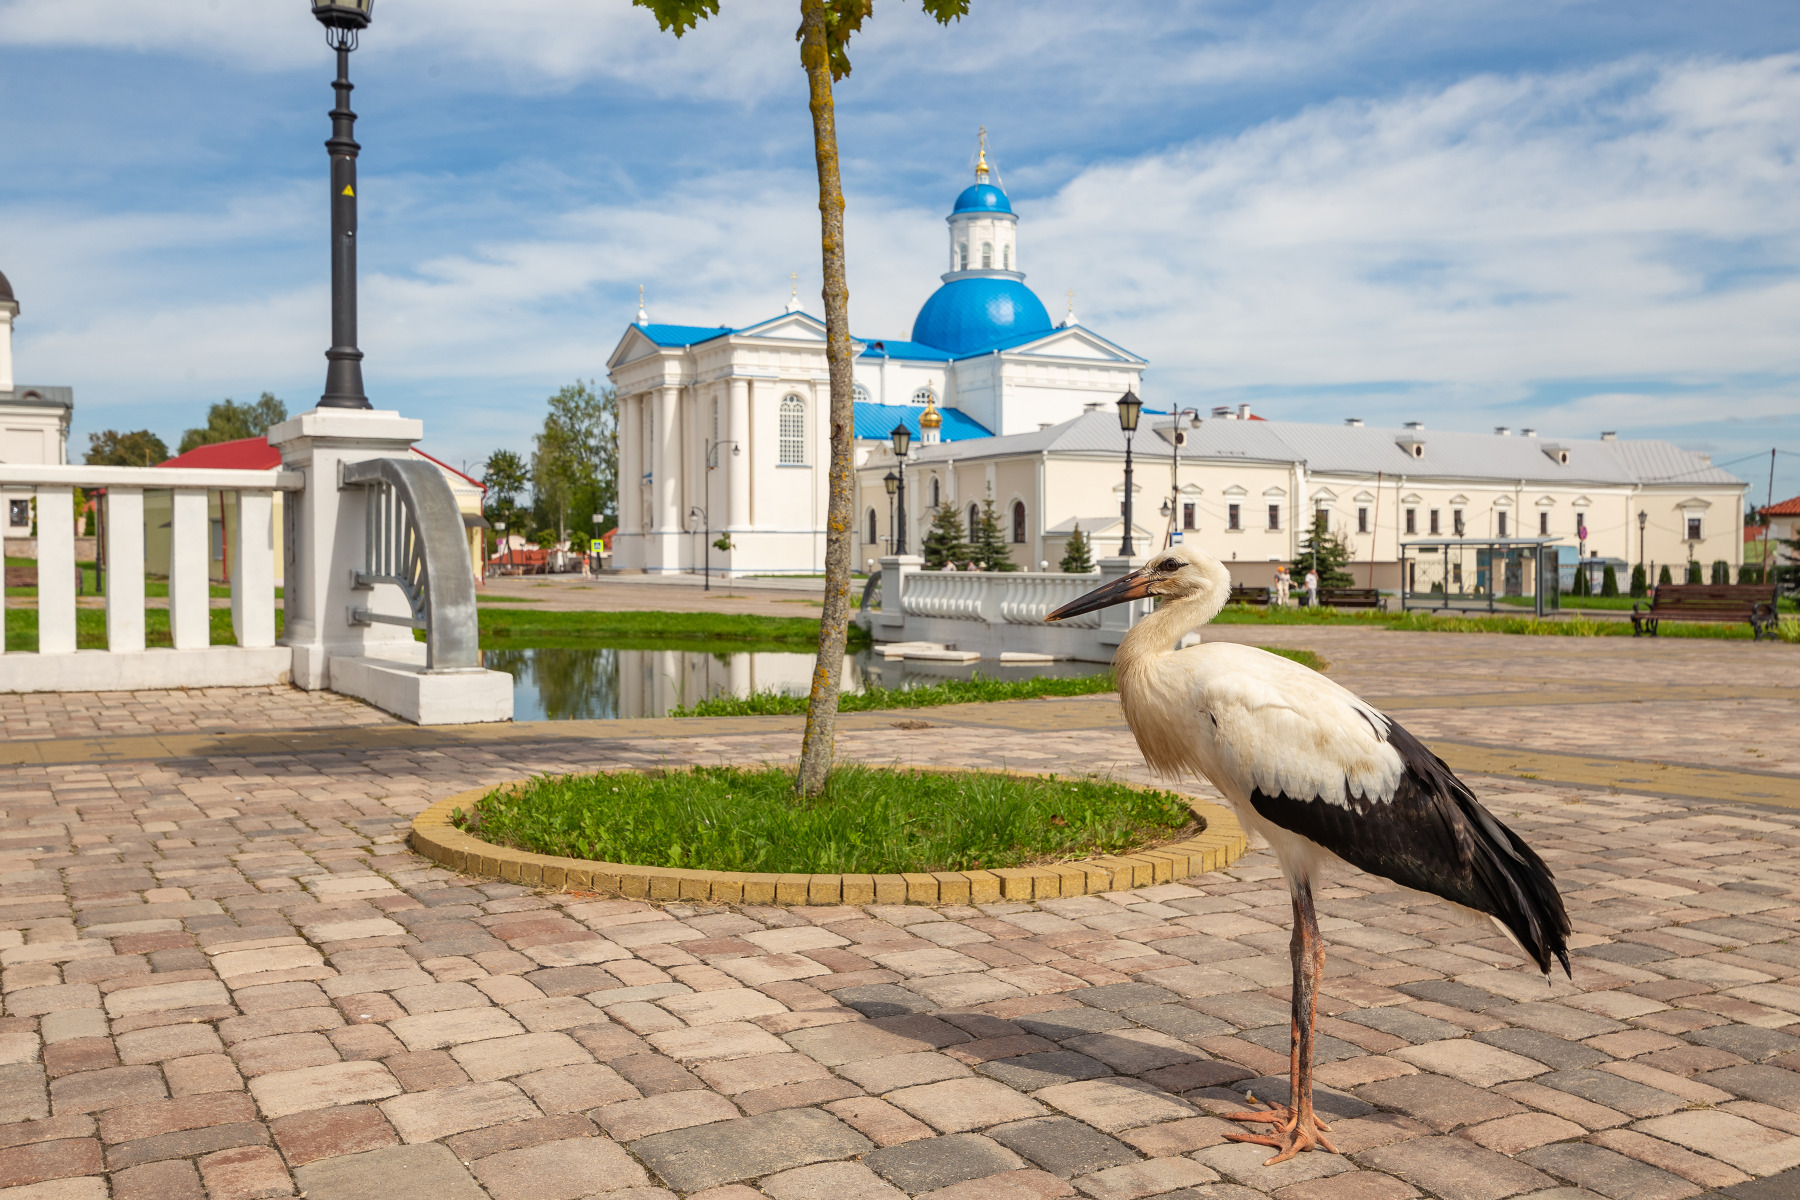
(1472, 574)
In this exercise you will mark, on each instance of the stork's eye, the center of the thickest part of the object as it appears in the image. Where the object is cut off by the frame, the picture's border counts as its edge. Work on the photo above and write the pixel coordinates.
(1169, 564)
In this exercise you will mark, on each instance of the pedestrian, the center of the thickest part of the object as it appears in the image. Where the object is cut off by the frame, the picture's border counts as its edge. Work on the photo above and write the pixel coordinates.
(1283, 584)
(1312, 588)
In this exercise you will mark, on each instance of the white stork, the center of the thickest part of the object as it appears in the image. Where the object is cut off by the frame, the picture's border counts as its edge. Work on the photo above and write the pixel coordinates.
(1321, 776)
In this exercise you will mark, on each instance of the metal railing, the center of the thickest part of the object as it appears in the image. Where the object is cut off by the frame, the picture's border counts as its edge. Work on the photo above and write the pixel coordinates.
(414, 540)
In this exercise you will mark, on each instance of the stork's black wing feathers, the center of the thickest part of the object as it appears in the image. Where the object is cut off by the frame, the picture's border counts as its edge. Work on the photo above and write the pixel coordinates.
(1434, 836)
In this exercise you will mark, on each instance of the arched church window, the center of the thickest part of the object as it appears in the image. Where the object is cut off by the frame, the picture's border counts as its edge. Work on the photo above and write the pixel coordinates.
(859, 393)
(987, 256)
(793, 431)
(924, 395)
(974, 522)
(1006, 256)
(934, 492)
(869, 537)
(962, 256)
(1018, 516)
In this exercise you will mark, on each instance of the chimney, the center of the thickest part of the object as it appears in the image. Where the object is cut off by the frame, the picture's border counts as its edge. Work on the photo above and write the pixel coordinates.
(1353, 422)
(1222, 412)
(1415, 424)
(1528, 432)
(1091, 406)
(1243, 412)
(1503, 431)
(1609, 436)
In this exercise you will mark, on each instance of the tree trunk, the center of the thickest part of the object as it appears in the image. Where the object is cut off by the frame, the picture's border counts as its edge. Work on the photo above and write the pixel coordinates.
(817, 748)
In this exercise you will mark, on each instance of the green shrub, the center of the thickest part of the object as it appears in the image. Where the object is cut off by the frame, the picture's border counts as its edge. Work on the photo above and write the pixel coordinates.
(1721, 571)
(1639, 587)
(1609, 582)
(1663, 576)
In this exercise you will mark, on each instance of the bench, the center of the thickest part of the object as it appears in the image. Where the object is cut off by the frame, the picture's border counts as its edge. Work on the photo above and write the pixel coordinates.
(1727, 602)
(1350, 597)
(1249, 595)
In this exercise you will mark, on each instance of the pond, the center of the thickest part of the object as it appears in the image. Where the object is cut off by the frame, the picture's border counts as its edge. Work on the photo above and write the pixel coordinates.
(603, 682)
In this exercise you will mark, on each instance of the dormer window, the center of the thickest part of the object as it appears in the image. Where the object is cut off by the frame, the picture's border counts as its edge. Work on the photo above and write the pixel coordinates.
(1412, 444)
(1557, 454)
(987, 256)
(923, 396)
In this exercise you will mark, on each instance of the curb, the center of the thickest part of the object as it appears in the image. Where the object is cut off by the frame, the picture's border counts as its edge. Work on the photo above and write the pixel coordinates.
(1220, 844)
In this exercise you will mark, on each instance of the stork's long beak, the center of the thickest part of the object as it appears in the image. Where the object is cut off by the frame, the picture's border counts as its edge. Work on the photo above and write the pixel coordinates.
(1134, 586)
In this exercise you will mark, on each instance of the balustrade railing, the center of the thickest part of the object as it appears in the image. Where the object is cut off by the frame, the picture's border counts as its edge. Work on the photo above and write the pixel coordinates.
(1015, 598)
(248, 539)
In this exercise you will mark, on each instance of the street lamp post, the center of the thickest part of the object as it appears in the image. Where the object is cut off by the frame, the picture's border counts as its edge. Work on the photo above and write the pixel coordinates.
(1130, 407)
(1643, 520)
(1178, 437)
(505, 547)
(902, 439)
(712, 464)
(343, 21)
(891, 481)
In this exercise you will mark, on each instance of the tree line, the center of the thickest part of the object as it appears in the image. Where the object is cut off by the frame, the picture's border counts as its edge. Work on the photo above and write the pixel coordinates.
(226, 421)
(570, 477)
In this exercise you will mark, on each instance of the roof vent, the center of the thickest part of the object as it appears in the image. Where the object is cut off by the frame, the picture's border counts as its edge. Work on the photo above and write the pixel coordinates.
(1528, 432)
(1243, 412)
(1413, 445)
(1705, 459)
(1353, 422)
(1609, 436)
(1415, 424)
(1043, 425)
(1222, 412)
(1557, 454)
(1091, 406)
(1502, 430)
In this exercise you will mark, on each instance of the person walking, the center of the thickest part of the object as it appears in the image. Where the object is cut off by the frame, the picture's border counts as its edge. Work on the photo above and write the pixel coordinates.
(1312, 587)
(1283, 585)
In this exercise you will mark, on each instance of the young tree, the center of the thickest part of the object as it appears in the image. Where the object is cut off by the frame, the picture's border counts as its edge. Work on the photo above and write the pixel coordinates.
(1721, 571)
(505, 478)
(1326, 553)
(229, 421)
(1077, 559)
(1609, 582)
(943, 542)
(989, 549)
(826, 27)
(1663, 576)
(1640, 585)
(1580, 586)
(1693, 571)
(139, 448)
(575, 466)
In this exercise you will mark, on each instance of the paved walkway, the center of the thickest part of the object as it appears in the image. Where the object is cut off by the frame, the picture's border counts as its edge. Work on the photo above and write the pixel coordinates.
(225, 976)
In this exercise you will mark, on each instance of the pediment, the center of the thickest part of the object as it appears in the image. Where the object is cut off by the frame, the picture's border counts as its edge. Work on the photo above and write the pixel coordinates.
(1412, 498)
(1236, 490)
(1365, 497)
(633, 346)
(789, 327)
(1459, 499)
(1074, 342)
(1546, 502)
(1274, 491)
(1325, 495)
(1694, 502)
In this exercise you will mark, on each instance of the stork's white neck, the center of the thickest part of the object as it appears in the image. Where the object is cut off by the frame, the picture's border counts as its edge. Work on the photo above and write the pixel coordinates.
(1156, 634)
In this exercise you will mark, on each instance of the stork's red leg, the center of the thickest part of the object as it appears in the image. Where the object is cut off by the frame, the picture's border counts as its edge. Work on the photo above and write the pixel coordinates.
(1295, 1126)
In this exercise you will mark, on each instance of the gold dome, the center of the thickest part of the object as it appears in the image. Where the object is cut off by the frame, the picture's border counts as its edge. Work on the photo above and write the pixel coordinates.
(929, 419)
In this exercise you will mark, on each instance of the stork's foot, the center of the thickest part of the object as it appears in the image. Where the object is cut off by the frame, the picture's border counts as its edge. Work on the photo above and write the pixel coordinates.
(1290, 1132)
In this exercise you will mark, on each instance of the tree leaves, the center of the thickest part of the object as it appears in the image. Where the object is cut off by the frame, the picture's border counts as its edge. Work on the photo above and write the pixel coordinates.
(843, 18)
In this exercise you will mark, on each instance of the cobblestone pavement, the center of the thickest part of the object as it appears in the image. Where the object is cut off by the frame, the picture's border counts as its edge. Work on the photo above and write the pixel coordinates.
(225, 976)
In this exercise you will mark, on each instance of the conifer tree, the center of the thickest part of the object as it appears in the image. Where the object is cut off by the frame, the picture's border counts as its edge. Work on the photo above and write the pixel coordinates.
(1077, 559)
(988, 549)
(1640, 585)
(1324, 552)
(1580, 586)
(1609, 582)
(1693, 571)
(1721, 571)
(944, 539)
(1663, 576)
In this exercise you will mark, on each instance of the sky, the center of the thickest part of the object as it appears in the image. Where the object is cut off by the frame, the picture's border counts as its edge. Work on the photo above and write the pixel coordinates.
(1564, 214)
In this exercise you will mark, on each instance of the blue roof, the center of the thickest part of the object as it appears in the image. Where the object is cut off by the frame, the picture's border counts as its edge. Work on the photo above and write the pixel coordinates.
(682, 335)
(892, 348)
(877, 421)
(967, 316)
(982, 197)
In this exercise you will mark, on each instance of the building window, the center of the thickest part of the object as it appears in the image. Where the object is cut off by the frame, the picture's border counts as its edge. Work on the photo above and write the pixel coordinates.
(974, 522)
(1018, 521)
(1693, 528)
(1543, 524)
(924, 395)
(934, 492)
(1322, 516)
(1362, 520)
(1500, 523)
(987, 256)
(1231, 517)
(19, 514)
(1187, 515)
(962, 256)
(869, 538)
(1456, 521)
(1412, 520)
(1434, 522)
(793, 431)
(1274, 516)
(1581, 525)
(1456, 574)
(858, 393)
(1006, 257)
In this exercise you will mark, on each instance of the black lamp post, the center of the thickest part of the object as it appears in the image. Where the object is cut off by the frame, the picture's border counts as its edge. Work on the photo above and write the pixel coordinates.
(1643, 520)
(1129, 409)
(891, 481)
(343, 20)
(902, 443)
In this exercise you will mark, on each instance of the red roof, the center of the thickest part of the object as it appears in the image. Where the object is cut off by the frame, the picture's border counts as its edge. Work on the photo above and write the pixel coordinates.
(440, 462)
(245, 454)
(1784, 508)
(1754, 533)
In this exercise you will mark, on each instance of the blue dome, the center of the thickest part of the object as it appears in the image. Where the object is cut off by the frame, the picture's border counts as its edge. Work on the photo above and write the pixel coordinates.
(966, 316)
(982, 197)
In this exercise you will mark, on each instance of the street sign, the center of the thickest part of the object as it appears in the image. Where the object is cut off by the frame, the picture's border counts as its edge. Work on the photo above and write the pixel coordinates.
(596, 547)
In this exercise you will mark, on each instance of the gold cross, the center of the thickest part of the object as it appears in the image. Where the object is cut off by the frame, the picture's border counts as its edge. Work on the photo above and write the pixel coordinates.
(794, 276)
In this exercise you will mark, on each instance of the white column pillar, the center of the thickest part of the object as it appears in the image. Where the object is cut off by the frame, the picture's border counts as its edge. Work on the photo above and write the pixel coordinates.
(56, 570)
(189, 619)
(628, 541)
(666, 478)
(124, 569)
(738, 430)
(253, 582)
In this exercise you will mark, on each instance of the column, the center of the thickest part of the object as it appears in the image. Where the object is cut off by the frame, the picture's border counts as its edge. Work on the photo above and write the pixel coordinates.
(124, 569)
(738, 430)
(189, 619)
(665, 495)
(56, 570)
(627, 542)
(253, 581)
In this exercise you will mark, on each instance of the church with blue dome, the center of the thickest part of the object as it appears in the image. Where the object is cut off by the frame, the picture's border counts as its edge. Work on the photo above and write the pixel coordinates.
(725, 427)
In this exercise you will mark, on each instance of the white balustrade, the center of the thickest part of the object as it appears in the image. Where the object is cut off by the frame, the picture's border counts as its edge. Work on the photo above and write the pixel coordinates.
(1028, 597)
(126, 663)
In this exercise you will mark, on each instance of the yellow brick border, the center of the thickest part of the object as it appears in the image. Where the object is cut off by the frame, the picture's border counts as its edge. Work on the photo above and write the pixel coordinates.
(1221, 843)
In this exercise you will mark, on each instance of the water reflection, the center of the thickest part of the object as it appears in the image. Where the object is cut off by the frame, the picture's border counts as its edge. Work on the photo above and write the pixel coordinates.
(602, 682)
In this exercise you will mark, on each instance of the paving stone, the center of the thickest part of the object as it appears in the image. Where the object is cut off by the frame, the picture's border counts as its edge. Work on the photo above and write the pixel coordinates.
(725, 1151)
(830, 1181)
(244, 1173)
(1115, 996)
(1470, 1061)
(285, 1052)
(1456, 1169)
(1747, 1041)
(1246, 1163)
(1744, 1144)
(933, 1163)
(878, 1120)
(429, 1172)
(881, 1000)
(1178, 1020)
(562, 1170)
(1134, 1051)
(1444, 1104)
(1029, 1072)
(1511, 1135)
(1063, 1147)
(1557, 1053)
(1609, 1173)
(428, 1116)
(172, 1180)
(961, 1105)
(187, 1143)
(629, 1120)
(902, 1070)
(1115, 1104)
(1157, 1177)
(1602, 1087)
(330, 1132)
(1761, 1082)
(502, 1058)
(38, 1161)
(285, 1092)
(1777, 1187)
(1071, 1022)
(117, 1087)
(433, 1031)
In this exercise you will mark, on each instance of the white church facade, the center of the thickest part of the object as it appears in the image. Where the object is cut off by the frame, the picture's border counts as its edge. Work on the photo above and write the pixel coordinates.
(34, 425)
(724, 432)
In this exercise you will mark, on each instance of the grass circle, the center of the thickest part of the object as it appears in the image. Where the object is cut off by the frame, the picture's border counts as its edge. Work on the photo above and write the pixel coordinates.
(871, 821)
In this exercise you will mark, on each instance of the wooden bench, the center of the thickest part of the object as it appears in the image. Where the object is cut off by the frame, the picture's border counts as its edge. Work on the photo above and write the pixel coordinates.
(1350, 597)
(1726, 602)
(1250, 595)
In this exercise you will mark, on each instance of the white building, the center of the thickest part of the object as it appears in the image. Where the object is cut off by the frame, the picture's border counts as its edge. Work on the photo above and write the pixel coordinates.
(34, 423)
(724, 429)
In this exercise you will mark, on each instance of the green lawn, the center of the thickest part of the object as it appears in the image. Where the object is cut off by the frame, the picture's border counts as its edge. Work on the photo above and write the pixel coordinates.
(502, 628)
(1569, 626)
(153, 585)
(872, 821)
(90, 628)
